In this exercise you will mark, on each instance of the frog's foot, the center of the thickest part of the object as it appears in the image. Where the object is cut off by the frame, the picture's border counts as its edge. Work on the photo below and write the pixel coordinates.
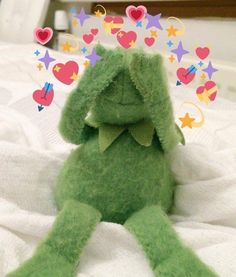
(167, 255)
(46, 263)
(59, 253)
(183, 264)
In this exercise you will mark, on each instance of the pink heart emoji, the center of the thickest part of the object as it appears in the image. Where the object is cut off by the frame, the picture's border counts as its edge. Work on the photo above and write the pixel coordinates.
(43, 35)
(149, 41)
(94, 31)
(136, 13)
(183, 75)
(41, 97)
(202, 52)
(66, 73)
(126, 39)
(88, 38)
(113, 24)
(210, 88)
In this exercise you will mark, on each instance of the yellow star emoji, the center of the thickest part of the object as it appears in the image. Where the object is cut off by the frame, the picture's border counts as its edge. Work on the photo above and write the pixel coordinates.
(186, 121)
(171, 58)
(120, 34)
(98, 13)
(204, 97)
(66, 46)
(39, 66)
(56, 68)
(132, 44)
(74, 76)
(75, 22)
(153, 33)
(86, 64)
(107, 27)
(203, 76)
(171, 31)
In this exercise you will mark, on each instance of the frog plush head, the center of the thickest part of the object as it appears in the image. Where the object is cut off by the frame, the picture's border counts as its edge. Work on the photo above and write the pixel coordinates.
(124, 87)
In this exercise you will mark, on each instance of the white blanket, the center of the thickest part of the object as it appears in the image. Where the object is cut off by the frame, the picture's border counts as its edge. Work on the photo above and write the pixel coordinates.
(31, 154)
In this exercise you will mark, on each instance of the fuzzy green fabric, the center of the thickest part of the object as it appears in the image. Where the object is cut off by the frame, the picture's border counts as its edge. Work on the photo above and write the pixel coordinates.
(128, 183)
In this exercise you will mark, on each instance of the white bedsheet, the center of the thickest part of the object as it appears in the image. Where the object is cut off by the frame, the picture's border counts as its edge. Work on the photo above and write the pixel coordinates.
(32, 152)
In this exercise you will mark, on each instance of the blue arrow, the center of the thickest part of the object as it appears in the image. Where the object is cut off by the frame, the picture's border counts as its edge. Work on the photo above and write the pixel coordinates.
(178, 83)
(48, 87)
(191, 70)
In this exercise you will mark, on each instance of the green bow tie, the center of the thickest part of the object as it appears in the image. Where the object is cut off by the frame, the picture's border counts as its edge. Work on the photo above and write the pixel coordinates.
(142, 132)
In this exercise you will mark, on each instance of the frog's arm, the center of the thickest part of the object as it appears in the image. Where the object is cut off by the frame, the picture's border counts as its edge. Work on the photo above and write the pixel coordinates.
(94, 81)
(149, 76)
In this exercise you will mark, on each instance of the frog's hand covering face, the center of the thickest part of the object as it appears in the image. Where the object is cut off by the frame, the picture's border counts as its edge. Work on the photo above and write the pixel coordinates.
(148, 74)
(93, 82)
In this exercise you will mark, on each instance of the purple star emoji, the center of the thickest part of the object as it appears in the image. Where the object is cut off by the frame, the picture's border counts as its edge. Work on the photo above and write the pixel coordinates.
(94, 57)
(82, 16)
(179, 51)
(210, 70)
(47, 59)
(153, 21)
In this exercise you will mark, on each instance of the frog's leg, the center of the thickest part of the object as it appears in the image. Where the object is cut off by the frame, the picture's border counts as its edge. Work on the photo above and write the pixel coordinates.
(167, 255)
(59, 253)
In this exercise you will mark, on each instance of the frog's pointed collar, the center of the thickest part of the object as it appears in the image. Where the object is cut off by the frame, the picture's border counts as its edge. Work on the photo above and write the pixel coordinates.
(141, 131)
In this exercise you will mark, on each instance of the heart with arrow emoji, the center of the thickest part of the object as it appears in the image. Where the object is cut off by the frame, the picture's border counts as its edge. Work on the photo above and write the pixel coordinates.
(44, 96)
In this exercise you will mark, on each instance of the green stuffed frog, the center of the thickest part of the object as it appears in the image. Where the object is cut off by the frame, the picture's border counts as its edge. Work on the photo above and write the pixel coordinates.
(121, 114)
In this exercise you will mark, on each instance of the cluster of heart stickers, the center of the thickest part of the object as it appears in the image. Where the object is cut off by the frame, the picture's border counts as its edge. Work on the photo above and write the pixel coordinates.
(206, 93)
(65, 73)
(88, 38)
(113, 26)
(137, 14)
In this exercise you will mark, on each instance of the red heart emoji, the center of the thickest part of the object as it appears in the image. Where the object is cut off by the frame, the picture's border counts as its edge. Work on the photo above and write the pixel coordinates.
(94, 31)
(136, 13)
(210, 88)
(149, 41)
(41, 97)
(88, 38)
(43, 35)
(66, 73)
(126, 39)
(113, 24)
(184, 76)
(202, 52)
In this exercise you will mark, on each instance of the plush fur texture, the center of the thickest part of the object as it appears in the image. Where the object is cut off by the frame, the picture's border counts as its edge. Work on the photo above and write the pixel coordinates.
(128, 183)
